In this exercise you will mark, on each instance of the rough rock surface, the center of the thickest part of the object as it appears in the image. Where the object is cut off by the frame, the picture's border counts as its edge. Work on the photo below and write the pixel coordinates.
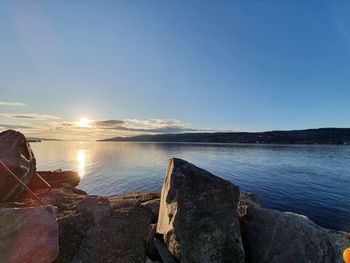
(198, 215)
(28, 235)
(248, 199)
(153, 205)
(163, 251)
(98, 207)
(117, 236)
(150, 248)
(274, 237)
(16, 154)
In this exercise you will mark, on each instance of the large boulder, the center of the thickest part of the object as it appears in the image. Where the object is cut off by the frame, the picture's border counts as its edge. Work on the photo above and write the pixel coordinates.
(198, 215)
(28, 235)
(16, 154)
(95, 229)
(273, 236)
(121, 236)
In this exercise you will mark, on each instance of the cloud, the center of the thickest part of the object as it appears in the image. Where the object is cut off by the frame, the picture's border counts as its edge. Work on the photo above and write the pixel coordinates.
(23, 117)
(12, 103)
(58, 128)
(32, 116)
(9, 126)
(109, 123)
(145, 126)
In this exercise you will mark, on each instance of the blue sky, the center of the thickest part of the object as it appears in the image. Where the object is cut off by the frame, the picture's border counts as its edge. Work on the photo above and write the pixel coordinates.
(173, 66)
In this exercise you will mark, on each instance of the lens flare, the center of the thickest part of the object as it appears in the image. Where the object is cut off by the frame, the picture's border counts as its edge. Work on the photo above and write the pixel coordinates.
(84, 122)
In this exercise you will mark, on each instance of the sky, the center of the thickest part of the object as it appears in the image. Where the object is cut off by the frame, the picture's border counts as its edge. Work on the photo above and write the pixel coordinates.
(145, 67)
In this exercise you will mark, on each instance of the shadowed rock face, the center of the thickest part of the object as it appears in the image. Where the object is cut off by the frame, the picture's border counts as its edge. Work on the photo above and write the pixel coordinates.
(274, 237)
(198, 215)
(97, 229)
(28, 235)
(17, 155)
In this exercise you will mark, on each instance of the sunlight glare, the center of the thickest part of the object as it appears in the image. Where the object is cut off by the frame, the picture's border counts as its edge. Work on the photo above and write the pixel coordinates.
(81, 158)
(84, 122)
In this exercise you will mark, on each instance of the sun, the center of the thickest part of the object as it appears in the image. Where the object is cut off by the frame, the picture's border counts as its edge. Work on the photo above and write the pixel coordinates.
(84, 122)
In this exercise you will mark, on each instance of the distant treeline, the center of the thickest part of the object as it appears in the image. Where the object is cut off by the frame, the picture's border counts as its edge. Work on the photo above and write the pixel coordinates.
(310, 136)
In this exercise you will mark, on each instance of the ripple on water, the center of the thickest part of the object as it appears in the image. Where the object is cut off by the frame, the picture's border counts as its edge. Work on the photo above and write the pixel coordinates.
(312, 180)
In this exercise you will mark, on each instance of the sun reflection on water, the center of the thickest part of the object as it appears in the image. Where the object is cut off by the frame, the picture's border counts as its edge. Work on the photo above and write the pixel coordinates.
(81, 158)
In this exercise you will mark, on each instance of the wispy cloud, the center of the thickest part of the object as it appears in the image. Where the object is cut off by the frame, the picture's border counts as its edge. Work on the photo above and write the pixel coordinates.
(31, 116)
(146, 126)
(55, 127)
(10, 126)
(12, 103)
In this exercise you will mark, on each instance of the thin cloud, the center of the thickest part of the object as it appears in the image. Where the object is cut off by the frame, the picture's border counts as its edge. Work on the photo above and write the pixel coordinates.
(98, 129)
(109, 123)
(23, 117)
(12, 103)
(145, 126)
(9, 126)
(32, 116)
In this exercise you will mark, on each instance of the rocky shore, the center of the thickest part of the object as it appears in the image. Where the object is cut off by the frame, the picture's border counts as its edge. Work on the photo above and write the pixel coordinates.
(198, 217)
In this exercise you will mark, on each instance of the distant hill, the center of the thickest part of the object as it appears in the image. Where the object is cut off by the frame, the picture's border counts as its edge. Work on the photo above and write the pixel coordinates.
(310, 136)
(34, 139)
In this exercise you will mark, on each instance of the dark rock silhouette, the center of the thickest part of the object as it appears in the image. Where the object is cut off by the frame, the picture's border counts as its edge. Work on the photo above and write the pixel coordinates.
(17, 155)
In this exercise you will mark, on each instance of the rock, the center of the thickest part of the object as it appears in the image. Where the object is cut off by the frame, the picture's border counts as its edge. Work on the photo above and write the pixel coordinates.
(150, 248)
(28, 235)
(56, 179)
(163, 251)
(132, 199)
(73, 224)
(120, 238)
(153, 205)
(198, 215)
(249, 199)
(16, 154)
(273, 236)
(148, 260)
(99, 207)
(74, 189)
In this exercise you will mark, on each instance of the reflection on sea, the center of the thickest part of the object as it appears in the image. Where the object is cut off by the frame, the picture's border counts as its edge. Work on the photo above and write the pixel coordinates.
(81, 159)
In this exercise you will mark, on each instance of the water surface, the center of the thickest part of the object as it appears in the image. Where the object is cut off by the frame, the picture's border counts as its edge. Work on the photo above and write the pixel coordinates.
(308, 179)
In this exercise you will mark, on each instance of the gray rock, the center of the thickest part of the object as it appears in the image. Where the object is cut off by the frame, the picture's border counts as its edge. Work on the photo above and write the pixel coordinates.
(150, 248)
(153, 205)
(273, 236)
(148, 260)
(163, 251)
(198, 215)
(16, 154)
(99, 207)
(249, 199)
(28, 235)
(121, 237)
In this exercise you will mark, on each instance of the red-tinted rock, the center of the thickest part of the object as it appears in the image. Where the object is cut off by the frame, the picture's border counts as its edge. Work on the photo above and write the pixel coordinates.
(28, 235)
(16, 154)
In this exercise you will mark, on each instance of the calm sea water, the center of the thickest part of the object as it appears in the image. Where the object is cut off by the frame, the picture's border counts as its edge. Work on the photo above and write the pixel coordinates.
(312, 180)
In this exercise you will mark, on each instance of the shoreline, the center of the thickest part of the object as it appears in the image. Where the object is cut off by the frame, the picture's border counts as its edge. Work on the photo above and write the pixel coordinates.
(88, 224)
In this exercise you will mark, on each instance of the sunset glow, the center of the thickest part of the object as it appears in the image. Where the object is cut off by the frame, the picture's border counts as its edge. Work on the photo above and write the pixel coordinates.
(84, 122)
